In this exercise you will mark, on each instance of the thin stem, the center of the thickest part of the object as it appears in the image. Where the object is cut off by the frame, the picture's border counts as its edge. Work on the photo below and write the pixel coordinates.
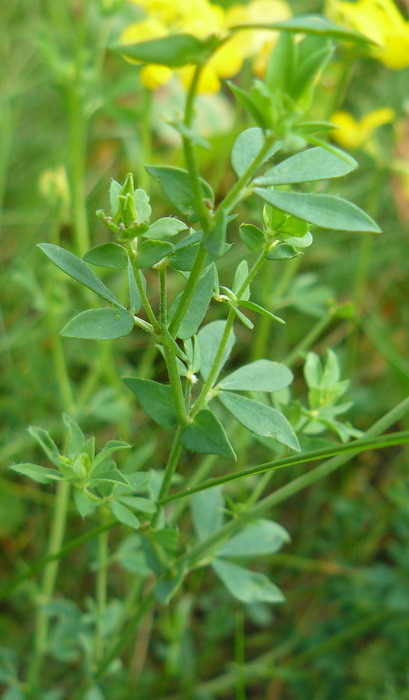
(169, 472)
(176, 384)
(203, 396)
(163, 307)
(101, 590)
(188, 292)
(310, 338)
(142, 291)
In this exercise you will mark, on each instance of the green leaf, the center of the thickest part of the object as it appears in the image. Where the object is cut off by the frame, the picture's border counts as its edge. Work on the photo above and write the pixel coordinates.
(207, 512)
(162, 228)
(42, 475)
(85, 504)
(313, 53)
(156, 399)
(151, 252)
(199, 304)
(111, 476)
(166, 537)
(167, 588)
(174, 51)
(246, 102)
(138, 503)
(247, 586)
(247, 146)
(109, 255)
(176, 186)
(281, 63)
(209, 338)
(307, 166)
(124, 515)
(282, 251)
(109, 448)
(76, 438)
(260, 310)
(135, 299)
(252, 237)
(99, 324)
(245, 321)
(206, 435)
(321, 209)
(143, 209)
(115, 189)
(259, 418)
(261, 537)
(46, 443)
(77, 269)
(261, 375)
(240, 276)
(308, 24)
(215, 240)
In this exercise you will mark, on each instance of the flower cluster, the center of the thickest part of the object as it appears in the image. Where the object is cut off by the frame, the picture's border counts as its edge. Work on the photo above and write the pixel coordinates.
(380, 21)
(201, 18)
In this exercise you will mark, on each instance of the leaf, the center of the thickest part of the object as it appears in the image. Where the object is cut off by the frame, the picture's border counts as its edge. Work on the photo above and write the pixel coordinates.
(143, 209)
(260, 310)
(252, 237)
(206, 435)
(246, 102)
(240, 276)
(76, 438)
(156, 399)
(135, 299)
(112, 476)
(282, 251)
(169, 586)
(124, 515)
(259, 419)
(247, 146)
(245, 321)
(109, 255)
(207, 512)
(247, 586)
(174, 50)
(85, 505)
(215, 240)
(176, 186)
(43, 475)
(321, 209)
(138, 503)
(151, 252)
(162, 228)
(308, 24)
(307, 166)
(281, 63)
(77, 269)
(261, 375)
(199, 304)
(209, 338)
(166, 537)
(46, 443)
(261, 537)
(109, 448)
(99, 324)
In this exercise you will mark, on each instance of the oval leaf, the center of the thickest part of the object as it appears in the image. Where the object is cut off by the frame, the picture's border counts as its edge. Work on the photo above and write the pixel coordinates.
(174, 51)
(42, 475)
(261, 375)
(312, 164)
(156, 399)
(99, 324)
(209, 338)
(247, 586)
(207, 512)
(260, 419)
(151, 252)
(321, 209)
(77, 269)
(109, 255)
(246, 147)
(206, 435)
(162, 228)
(262, 537)
(124, 515)
(199, 304)
(176, 186)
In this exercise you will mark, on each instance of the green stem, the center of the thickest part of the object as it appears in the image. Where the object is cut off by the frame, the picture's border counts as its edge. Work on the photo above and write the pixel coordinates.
(236, 192)
(188, 292)
(310, 338)
(101, 591)
(48, 583)
(169, 472)
(142, 291)
(207, 386)
(163, 307)
(176, 384)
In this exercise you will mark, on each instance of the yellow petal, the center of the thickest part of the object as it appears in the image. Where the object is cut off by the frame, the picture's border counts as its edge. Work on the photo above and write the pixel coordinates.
(153, 76)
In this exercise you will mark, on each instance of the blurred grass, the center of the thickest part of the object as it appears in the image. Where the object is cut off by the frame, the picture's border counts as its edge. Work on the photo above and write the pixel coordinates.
(343, 631)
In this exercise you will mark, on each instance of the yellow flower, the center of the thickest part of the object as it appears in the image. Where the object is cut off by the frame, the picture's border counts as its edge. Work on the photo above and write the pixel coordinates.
(355, 134)
(380, 21)
(152, 76)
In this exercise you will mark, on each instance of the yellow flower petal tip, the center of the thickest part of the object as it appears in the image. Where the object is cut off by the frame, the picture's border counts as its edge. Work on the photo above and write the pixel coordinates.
(352, 133)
